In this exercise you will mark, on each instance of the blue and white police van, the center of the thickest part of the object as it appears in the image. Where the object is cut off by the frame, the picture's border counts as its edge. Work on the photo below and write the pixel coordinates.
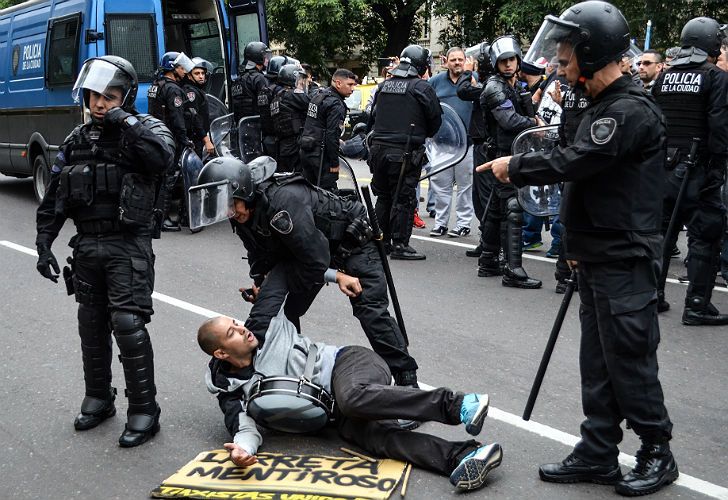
(43, 44)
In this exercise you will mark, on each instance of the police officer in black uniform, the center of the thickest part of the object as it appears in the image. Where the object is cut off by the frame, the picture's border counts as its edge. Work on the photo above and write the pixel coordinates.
(250, 81)
(507, 113)
(322, 130)
(288, 110)
(265, 99)
(168, 102)
(612, 210)
(105, 178)
(198, 112)
(299, 237)
(404, 100)
(693, 94)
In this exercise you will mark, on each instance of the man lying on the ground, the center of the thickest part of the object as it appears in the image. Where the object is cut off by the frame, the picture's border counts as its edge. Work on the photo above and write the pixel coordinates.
(366, 408)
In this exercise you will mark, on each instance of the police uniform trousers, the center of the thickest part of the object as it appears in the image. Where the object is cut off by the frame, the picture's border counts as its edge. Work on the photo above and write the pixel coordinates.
(367, 408)
(311, 167)
(113, 281)
(703, 213)
(494, 232)
(482, 184)
(395, 215)
(618, 357)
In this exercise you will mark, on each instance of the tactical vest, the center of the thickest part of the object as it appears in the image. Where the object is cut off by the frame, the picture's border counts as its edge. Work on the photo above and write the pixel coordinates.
(620, 198)
(396, 109)
(244, 96)
(287, 121)
(98, 185)
(575, 103)
(504, 138)
(155, 94)
(332, 214)
(265, 98)
(682, 93)
(315, 128)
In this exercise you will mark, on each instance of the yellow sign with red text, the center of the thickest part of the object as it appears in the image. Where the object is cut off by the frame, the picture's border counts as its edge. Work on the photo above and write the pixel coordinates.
(278, 476)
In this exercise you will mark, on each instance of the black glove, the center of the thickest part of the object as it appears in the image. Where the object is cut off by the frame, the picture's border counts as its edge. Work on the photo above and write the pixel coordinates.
(46, 261)
(116, 117)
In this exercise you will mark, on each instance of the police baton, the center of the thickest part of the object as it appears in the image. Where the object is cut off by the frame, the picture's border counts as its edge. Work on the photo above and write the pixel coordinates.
(377, 232)
(667, 249)
(321, 161)
(536, 387)
(406, 159)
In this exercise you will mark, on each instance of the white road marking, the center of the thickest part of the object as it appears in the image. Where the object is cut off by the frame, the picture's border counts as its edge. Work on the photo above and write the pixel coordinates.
(685, 480)
(448, 241)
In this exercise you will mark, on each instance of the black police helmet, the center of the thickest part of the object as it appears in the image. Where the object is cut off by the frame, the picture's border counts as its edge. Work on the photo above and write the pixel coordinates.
(413, 61)
(127, 68)
(598, 32)
(274, 66)
(289, 74)
(234, 171)
(256, 52)
(703, 33)
(167, 61)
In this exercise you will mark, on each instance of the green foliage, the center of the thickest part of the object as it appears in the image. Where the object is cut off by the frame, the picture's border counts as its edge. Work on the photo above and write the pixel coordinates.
(9, 3)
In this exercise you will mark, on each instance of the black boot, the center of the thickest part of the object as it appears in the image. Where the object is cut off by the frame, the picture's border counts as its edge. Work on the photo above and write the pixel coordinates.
(513, 274)
(655, 468)
(662, 304)
(698, 313)
(517, 278)
(407, 379)
(488, 265)
(575, 470)
(170, 226)
(400, 251)
(95, 410)
(139, 427)
(474, 252)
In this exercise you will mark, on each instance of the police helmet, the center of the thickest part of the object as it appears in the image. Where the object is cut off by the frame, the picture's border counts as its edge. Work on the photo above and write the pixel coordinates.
(359, 128)
(703, 33)
(202, 63)
(413, 61)
(102, 73)
(232, 170)
(256, 53)
(167, 62)
(505, 47)
(289, 75)
(276, 63)
(596, 30)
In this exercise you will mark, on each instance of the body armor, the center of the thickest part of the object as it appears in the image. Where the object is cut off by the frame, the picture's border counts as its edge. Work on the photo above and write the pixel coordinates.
(396, 98)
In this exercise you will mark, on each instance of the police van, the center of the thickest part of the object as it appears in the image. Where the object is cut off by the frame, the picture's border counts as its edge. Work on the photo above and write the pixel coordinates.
(43, 44)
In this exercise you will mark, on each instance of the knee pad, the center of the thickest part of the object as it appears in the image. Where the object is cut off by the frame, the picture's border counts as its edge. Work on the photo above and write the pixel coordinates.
(130, 331)
(515, 212)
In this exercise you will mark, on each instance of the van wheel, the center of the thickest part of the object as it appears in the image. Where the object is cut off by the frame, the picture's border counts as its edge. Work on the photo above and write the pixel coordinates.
(41, 177)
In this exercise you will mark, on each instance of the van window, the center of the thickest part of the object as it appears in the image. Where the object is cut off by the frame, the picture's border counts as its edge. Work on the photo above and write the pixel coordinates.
(63, 38)
(205, 41)
(132, 37)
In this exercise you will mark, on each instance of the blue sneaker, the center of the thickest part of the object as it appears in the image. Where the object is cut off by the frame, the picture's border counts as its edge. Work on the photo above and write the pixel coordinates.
(470, 474)
(530, 247)
(473, 412)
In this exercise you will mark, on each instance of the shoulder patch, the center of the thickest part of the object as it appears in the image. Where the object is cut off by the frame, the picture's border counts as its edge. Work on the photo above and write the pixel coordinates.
(602, 130)
(191, 96)
(177, 101)
(282, 222)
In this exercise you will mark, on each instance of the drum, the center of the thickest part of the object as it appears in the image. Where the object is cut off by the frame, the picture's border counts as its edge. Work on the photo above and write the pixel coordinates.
(291, 405)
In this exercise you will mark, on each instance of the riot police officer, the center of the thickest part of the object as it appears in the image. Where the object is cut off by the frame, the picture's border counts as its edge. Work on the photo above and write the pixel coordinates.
(299, 237)
(288, 110)
(198, 113)
(168, 102)
(692, 94)
(400, 102)
(508, 112)
(105, 178)
(612, 209)
(323, 128)
(250, 81)
(264, 100)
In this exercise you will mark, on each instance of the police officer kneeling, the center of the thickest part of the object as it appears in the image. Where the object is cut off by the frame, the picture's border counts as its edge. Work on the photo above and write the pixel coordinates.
(105, 179)
(612, 210)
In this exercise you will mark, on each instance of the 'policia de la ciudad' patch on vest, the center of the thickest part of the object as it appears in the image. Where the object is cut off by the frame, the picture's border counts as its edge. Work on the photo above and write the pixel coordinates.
(602, 130)
(282, 222)
(394, 87)
(682, 82)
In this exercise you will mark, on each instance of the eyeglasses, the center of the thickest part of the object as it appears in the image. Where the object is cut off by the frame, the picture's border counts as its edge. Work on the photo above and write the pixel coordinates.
(645, 63)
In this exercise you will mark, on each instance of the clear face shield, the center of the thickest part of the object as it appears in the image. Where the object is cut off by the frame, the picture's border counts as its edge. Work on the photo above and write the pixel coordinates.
(554, 42)
(185, 62)
(301, 81)
(101, 76)
(210, 203)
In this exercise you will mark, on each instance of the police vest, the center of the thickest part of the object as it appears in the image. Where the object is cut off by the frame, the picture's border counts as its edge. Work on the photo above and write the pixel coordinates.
(504, 138)
(315, 124)
(332, 214)
(265, 98)
(155, 95)
(397, 108)
(621, 198)
(287, 121)
(682, 93)
(574, 105)
(98, 184)
(244, 95)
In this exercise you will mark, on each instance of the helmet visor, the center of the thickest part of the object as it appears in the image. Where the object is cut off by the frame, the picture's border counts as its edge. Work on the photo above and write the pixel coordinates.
(184, 61)
(101, 76)
(552, 32)
(505, 47)
(210, 203)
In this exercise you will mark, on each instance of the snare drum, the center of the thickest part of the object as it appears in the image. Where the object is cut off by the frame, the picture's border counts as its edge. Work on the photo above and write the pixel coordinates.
(290, 405)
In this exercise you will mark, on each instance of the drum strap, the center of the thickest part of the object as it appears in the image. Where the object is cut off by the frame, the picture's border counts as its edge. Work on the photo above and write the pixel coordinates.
(310, 361)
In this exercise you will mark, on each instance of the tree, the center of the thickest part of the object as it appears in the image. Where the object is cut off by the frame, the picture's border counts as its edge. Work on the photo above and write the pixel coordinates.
(9, 3)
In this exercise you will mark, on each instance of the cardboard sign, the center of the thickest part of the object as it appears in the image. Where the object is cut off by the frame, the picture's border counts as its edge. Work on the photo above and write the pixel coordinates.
(278, 476)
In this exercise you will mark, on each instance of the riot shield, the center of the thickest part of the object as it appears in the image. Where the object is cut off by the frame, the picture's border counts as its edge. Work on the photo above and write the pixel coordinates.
(190, 165)
(216, 108)
(449, 145)
(250, 138)
(541, 201)
(346, 184)
(220, 134)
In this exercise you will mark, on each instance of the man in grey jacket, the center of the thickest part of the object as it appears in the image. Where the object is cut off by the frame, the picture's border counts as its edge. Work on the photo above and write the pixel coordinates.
(366, 405)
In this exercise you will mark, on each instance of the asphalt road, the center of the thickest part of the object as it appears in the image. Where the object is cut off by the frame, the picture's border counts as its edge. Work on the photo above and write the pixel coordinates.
(466, 332)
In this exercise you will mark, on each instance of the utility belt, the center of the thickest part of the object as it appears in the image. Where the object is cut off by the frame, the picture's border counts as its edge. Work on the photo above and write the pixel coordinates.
(357, 234)
(102, 226)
